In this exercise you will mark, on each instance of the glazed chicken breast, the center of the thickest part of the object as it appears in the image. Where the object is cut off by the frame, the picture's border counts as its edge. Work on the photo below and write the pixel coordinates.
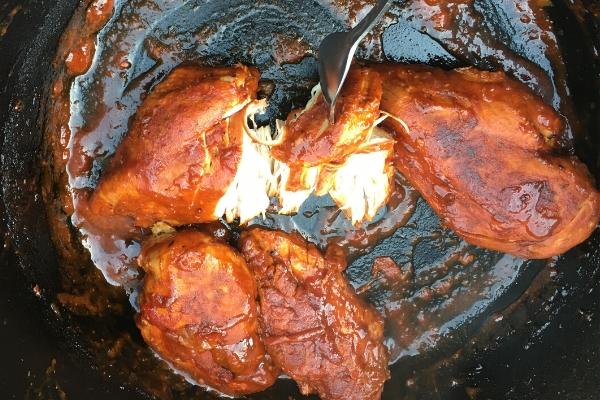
(185, 155)
(198, 311)
(314, 326)
(482, 150)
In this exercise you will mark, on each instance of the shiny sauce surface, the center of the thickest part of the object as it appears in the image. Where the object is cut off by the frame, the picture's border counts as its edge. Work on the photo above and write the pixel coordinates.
(114, 52)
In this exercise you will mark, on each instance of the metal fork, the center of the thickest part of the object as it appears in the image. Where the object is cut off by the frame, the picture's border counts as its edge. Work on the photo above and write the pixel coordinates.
(337, 50)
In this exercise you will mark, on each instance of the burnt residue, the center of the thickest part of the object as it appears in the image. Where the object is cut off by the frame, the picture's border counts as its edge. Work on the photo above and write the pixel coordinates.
(453, 284)
(112, 54)
(579, 23)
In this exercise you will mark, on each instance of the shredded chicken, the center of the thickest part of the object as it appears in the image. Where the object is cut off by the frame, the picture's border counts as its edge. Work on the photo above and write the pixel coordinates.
(363, 184)
(248, 194)
(360, 185)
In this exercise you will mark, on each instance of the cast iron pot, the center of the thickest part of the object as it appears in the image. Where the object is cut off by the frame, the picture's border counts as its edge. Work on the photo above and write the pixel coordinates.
(549, 346)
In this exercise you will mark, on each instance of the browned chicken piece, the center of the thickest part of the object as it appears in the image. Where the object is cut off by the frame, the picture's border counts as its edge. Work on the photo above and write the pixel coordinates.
(310, 140)
(481, 149)
(198, 311)
(315, 327)
(182, 151)
(351, 160)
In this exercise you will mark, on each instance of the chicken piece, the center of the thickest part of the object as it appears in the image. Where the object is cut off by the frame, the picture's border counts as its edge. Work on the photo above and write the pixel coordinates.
(198, 311)
(184, 150)
(481, 149)
(360, 186)
(364, 183)
(309, 140)
(351, 160)
(314, 325)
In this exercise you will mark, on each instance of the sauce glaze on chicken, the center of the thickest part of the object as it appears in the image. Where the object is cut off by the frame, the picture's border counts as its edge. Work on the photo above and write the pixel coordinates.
(147, 39)
(198, 311)
(182, 150)
(315, 327)
(310, 140)
(482, 150)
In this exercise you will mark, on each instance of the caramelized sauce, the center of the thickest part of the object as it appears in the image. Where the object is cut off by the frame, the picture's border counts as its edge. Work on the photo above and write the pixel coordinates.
(442, 285)
(98, 13)
(288, 49)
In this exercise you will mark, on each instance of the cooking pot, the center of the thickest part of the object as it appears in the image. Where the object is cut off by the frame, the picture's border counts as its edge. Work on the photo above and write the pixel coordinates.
(542, 341)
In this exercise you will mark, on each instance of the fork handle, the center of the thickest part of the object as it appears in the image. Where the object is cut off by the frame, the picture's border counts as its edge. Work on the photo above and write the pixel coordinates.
(366, 24)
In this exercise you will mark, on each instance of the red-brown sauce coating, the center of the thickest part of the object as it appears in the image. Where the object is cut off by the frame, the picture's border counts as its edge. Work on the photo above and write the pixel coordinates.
(198, 311)
(420, 314)
(80, 57)
(310, 139)
(98, 12)
(480, 148)
(314, 326)
(289, 49)
(180, 155)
